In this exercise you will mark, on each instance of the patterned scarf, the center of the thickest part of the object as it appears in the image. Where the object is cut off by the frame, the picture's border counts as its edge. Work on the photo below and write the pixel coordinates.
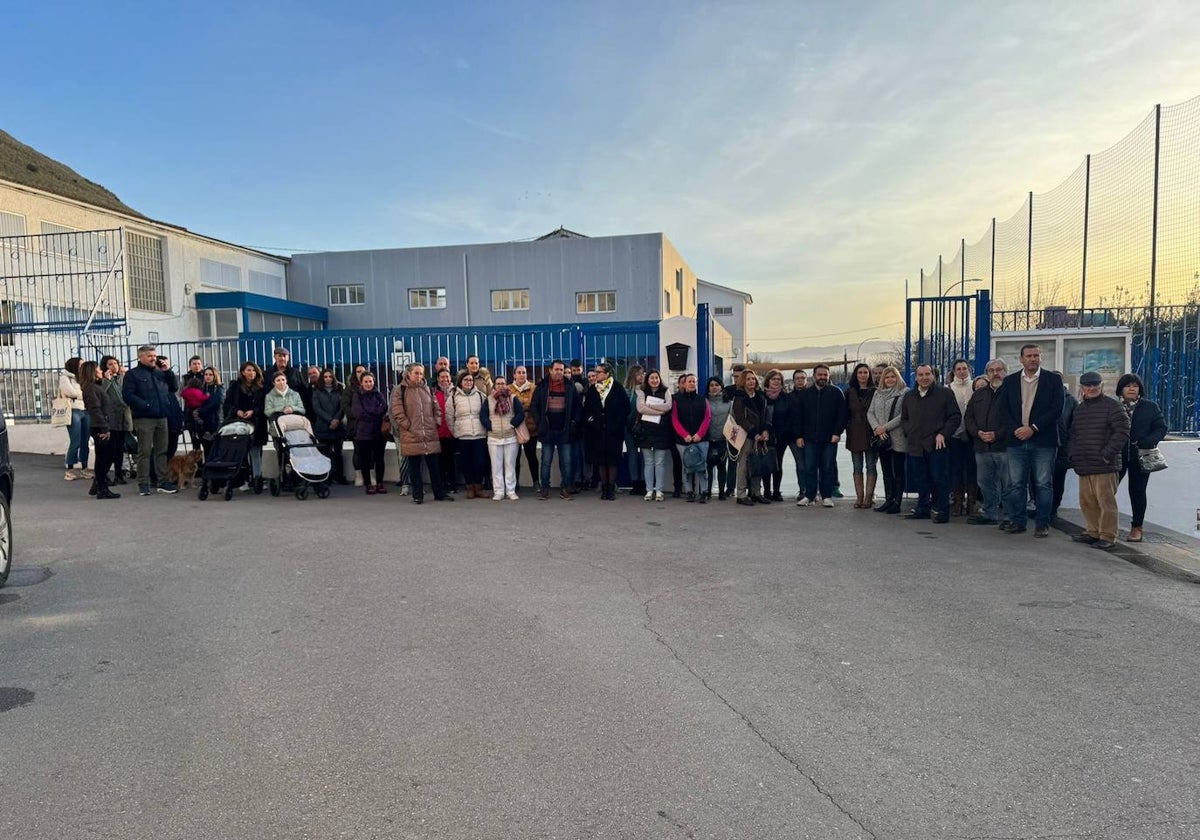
(603, 388)
(503, 398)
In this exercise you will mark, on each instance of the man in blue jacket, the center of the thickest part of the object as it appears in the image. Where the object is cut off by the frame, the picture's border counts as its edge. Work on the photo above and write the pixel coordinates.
(1031, 403)
(148, 397)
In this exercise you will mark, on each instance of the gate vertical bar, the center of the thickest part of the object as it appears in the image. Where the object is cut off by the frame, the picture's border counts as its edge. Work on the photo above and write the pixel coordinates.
(983, 330)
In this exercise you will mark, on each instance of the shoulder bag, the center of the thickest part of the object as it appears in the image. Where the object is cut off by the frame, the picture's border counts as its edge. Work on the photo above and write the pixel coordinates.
(1151, 460)
(60, 412)
(884, 444)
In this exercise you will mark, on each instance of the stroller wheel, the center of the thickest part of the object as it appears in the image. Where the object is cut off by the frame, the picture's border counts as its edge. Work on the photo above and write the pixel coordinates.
(203, 494)
(275, 488)
(302, 492)
(323, 492)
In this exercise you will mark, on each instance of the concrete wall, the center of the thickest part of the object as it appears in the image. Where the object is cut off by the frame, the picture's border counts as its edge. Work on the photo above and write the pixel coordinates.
(553, 270)
(735, 324)
(682, 289)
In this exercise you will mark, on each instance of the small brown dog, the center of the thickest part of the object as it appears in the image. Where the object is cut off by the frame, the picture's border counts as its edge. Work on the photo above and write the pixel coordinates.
(182, 468)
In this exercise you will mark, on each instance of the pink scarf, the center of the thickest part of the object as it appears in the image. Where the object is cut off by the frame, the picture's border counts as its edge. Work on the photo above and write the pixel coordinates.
(773, 391)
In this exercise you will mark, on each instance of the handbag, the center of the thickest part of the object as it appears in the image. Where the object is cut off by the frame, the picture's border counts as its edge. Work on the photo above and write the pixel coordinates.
(735, 434)
(386, 427)
(884, 444)
(60, 412)
(522, 434)
(763, 460)
(1151, 460)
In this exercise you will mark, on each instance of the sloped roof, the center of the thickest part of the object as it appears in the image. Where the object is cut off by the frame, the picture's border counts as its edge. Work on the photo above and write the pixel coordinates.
(28, 167)
(562, 233)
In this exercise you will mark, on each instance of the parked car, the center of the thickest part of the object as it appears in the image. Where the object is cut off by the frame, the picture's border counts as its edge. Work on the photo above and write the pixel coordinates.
(6, 489)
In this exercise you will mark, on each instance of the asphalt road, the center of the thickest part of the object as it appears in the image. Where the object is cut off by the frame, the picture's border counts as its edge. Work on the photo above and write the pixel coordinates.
(364, 668)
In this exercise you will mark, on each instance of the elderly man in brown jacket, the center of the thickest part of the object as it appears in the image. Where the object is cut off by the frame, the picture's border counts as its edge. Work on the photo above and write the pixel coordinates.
(415, 413)
(1099, 433)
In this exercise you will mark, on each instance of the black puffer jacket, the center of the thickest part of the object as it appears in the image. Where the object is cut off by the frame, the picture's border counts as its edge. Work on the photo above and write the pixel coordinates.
(1099, 432)
(983, 415)
(1147, 426)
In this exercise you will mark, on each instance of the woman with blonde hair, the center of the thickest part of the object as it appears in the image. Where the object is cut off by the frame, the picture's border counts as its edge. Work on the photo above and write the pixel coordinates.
(887, 436)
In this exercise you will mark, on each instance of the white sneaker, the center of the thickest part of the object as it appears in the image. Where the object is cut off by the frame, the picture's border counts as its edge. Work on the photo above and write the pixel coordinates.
(804, 502)
(497, 497)
(513, 497)
(69, 475)
(660, 496)
(649, 497)
(405, 490)
(85, 473)
(799, 496)
(827, 503)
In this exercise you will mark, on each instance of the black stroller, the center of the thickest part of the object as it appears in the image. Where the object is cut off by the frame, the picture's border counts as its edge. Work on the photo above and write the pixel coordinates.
(228, 463)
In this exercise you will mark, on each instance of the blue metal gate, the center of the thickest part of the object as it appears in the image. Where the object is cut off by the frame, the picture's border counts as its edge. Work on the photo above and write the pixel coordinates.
(940, 330)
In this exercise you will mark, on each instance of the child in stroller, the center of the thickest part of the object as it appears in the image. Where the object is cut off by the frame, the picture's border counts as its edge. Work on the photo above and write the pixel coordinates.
(302, 464)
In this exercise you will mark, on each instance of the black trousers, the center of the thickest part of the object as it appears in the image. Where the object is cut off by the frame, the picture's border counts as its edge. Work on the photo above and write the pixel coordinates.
(894, 473)
(108, 452)
(1138, 481)
(368, 455)
(530, 450)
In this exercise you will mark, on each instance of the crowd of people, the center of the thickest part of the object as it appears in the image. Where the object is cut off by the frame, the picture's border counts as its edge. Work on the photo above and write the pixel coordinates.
(982, 448)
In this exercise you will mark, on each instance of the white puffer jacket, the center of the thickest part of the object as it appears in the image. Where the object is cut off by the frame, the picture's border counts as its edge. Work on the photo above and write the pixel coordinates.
(68, 387)
(462, 414)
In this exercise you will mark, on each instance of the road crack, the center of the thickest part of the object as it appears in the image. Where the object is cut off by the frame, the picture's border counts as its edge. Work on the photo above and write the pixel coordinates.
(750, 724)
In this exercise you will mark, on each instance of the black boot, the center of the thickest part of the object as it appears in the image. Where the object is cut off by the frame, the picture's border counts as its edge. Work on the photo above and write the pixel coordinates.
(887, 496)
(95, 488)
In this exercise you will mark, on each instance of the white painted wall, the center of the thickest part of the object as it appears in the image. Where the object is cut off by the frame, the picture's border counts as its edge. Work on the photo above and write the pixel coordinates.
(734, 324)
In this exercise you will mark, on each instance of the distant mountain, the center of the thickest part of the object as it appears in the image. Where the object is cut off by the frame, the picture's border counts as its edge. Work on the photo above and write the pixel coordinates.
(831, 352)
(25, 165)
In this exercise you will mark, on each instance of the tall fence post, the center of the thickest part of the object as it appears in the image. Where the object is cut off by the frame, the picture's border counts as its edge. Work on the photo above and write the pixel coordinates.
(992, 276)
(1087, 205)
(1154, 226)
(1029, 262)
(983, 330)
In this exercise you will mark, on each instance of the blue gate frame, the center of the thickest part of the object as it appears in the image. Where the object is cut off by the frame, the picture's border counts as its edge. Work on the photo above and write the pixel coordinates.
(946, 329)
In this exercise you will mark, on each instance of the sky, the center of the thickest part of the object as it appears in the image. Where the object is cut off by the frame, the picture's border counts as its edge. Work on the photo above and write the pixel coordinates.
(816, 155)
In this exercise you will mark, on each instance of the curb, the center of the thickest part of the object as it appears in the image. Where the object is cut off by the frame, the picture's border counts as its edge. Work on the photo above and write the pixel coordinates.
(1132, 553)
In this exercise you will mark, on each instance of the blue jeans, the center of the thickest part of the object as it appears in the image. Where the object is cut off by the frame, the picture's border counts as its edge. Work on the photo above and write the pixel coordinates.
(818, 468)
(929, 475)
(550, 444)
(80, 432)
(655, 471)
(1026, 460)
(992, 476)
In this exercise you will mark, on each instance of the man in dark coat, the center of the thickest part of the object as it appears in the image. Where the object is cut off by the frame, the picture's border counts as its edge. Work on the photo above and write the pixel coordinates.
(1099, 433)
(1031, 403)
(149, 398)
(982, 423)
(822, 420)
(929, 415)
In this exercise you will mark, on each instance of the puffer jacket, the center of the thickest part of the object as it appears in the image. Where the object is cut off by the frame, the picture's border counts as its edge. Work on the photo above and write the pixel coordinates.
(1099, 433)
(502, 428)
(719, 407)
(417, 415)
(463, 411)
(147, 392)
(881, 409)
(68, 387)
(371, 408)
(525, 395)
(276, 402)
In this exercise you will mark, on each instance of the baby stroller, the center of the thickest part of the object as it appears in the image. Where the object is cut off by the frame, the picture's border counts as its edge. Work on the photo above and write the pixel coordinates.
(228, 463)
(301, 463)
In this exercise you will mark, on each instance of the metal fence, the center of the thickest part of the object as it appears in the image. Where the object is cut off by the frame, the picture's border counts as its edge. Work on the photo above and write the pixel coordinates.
(26, 394)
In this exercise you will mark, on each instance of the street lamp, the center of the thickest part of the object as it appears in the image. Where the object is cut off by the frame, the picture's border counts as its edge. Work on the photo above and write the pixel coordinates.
(962, 283)
(858, 352)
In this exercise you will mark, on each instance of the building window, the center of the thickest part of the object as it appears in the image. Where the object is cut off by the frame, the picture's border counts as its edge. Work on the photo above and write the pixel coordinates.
(217, 323)
(666, 302)
(147, 285)
(504, 300)
(589, 302)
(722, 310)
(679, 283)
(221, 275)
(11, 224)
(427, 298)
(347, 295)
(270, 285)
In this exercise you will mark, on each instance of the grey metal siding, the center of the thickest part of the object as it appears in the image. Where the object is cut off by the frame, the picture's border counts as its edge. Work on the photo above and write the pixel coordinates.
(553, 270)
